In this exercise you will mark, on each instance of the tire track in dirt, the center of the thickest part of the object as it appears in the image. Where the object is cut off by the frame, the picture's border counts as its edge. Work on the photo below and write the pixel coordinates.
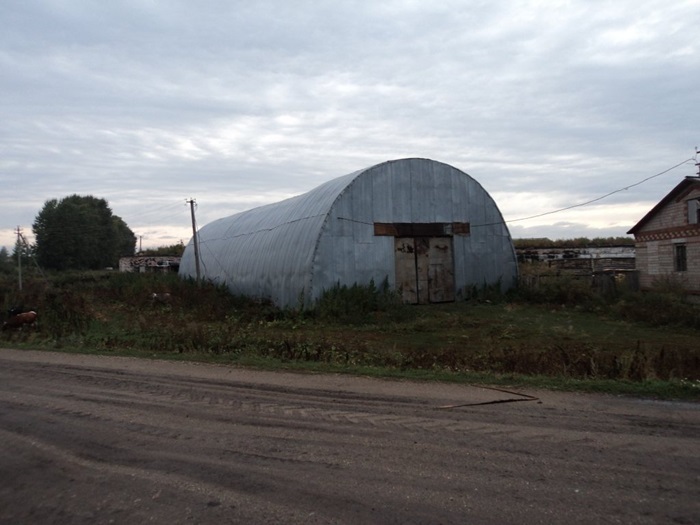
(216, 494)
(300, 450)
(335, 407)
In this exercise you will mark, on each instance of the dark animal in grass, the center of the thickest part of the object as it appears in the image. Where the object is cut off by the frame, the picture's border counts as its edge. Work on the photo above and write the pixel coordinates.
(15, 310)
(161, 298)
(18, 321)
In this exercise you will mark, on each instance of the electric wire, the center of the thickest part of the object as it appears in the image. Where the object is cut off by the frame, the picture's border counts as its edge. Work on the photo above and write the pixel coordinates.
(150, 211)
(203, 244)
(581, 204)
(66, 233)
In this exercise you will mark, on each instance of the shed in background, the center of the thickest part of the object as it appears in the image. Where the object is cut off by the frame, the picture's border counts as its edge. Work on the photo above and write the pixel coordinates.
(428, 228)
(149, 263)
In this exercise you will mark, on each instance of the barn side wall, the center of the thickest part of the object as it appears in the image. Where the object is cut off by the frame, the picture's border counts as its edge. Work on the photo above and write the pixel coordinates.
(265, 252)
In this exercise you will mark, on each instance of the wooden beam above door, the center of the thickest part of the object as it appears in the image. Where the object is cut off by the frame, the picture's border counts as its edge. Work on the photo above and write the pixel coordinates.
(421, 229)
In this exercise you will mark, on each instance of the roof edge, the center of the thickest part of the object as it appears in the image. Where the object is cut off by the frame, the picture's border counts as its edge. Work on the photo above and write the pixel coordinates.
(683, 185)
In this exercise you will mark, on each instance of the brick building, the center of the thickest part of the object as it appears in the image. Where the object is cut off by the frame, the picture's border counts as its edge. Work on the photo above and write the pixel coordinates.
(667, 239)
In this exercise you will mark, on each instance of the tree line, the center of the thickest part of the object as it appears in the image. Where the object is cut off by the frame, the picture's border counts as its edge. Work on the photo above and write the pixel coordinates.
(579, 242)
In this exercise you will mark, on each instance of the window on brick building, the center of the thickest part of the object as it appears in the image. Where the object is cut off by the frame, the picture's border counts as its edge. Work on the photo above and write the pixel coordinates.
(680, 259)
(694, 211)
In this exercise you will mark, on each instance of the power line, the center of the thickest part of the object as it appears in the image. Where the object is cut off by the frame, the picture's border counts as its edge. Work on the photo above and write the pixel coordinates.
(592, 200)
(71, 230)
(158, 209)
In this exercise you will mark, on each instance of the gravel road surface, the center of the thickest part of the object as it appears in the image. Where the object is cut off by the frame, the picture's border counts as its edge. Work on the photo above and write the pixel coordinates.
(93, 439)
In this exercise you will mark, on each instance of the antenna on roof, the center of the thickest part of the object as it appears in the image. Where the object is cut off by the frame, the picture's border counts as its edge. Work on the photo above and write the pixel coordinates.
(697, 164)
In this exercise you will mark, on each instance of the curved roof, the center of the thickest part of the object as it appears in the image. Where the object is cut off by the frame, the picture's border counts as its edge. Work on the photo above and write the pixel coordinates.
(263, 240)
(274, 251)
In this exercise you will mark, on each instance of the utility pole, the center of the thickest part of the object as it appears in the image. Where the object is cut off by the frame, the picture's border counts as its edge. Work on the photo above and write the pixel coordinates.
(22, 242)
(19, 256)
(195, 240)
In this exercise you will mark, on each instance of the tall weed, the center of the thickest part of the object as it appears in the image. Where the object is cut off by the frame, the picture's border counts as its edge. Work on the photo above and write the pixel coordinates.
(358, 304)
(369, 326)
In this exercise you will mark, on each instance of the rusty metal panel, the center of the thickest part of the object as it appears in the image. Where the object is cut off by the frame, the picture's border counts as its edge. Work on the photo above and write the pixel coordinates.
(384, 228)
(406, 277)
(461, 228)
(424, 269)
(422, 245)
(441, 279)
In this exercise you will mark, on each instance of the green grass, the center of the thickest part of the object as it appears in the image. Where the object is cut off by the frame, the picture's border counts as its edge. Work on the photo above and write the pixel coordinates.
(675, 389)
(514, 341)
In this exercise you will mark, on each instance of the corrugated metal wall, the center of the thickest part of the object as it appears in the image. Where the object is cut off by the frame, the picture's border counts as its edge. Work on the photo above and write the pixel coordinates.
(304, 245)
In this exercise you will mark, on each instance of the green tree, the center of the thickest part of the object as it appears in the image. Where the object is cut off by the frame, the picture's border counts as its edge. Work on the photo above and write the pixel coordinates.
(6, 265)
(80, 232)
(126, 239)
(22, 251)
(174, 250)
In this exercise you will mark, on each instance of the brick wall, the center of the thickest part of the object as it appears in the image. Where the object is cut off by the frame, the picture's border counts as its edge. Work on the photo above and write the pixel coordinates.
(656, 241)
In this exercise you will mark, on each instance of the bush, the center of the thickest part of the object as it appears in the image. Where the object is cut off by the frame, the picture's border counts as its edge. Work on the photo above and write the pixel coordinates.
(487, 293)
(559, 290)
(358, 304)
(658, 309)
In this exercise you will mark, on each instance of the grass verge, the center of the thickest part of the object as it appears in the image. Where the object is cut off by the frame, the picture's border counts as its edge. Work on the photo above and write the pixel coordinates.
(670, 390)
(575, 345)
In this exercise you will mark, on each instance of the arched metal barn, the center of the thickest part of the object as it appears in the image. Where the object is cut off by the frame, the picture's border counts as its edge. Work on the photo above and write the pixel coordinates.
(427, 227)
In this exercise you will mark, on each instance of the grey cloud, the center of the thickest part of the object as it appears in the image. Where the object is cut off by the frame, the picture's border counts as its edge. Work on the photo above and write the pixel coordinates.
(151, 100)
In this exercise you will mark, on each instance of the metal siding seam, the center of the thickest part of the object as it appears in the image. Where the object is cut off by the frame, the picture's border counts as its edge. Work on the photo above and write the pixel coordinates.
(313, 293)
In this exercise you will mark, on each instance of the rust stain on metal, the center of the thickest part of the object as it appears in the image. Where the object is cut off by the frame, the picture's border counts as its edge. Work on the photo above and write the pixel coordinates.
(425, 269)
(441, 281)
(461, 228)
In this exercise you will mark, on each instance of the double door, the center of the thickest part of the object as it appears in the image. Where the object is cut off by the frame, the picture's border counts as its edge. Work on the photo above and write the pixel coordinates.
(425, 269)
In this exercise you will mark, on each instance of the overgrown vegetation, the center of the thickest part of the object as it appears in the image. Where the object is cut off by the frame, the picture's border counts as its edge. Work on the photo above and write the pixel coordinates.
(560, 330)
(667, 305)
(356, 305)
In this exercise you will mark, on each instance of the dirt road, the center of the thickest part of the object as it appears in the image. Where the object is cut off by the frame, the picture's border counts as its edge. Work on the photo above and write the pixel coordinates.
(89, 439)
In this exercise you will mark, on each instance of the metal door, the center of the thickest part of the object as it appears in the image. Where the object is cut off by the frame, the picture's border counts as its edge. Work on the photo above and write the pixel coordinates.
(424, 269)
(441, 278)
(406, 279)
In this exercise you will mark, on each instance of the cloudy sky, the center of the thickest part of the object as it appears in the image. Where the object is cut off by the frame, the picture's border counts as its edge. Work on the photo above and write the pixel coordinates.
(147, 103)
